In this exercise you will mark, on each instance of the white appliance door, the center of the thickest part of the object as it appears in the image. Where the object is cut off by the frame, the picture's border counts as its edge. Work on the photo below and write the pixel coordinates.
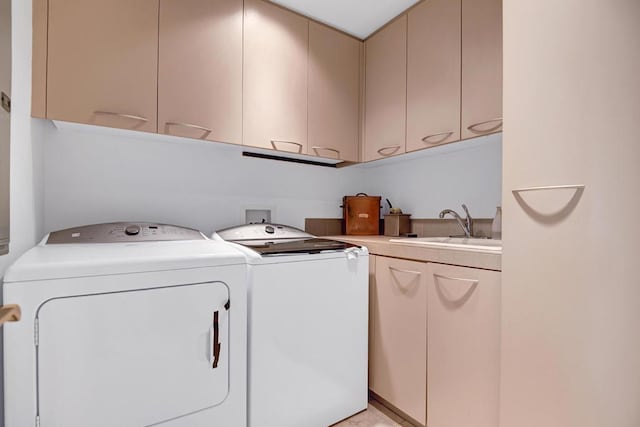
(132, 358)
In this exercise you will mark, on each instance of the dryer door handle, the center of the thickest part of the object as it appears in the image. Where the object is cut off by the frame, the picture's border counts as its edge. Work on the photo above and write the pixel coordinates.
(215, 340)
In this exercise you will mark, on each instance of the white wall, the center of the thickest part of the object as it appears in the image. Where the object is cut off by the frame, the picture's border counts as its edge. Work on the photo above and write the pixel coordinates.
(467, 172)
(100, 176)
(5, 119)
(97, 175)
(27, 135)
(26, 155)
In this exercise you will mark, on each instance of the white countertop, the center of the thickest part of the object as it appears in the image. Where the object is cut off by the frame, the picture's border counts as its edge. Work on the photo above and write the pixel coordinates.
(382, 245)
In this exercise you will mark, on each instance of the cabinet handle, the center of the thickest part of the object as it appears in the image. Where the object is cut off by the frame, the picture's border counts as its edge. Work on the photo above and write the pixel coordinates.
(395, 149)
(274, 141)
(473, 127)
(10, 313)
(444, 134)
(399, 270)
(316, 148)
(550, 187)
(206, 131)
(548, 216)
(473, 282)
(126, 116)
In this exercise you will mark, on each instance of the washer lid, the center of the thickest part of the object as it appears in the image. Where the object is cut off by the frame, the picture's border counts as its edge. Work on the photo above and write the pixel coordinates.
(298, 246)
(47, 261)
(276, 239)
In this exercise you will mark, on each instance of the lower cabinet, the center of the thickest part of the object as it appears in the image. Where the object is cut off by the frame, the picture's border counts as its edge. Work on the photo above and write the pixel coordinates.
(398, 368)
(435, 341)
(463, 346)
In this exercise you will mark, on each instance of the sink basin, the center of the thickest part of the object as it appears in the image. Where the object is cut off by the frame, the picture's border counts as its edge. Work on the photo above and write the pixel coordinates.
(471, 244)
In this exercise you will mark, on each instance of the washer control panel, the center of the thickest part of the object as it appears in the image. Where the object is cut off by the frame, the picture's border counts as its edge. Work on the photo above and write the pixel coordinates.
(122, 232)
(261, 232)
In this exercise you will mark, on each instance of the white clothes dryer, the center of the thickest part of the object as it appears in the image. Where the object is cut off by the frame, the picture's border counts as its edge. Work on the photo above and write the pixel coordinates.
(126, 324)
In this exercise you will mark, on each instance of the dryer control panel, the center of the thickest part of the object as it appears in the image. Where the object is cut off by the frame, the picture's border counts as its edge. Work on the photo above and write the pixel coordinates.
(122, 232)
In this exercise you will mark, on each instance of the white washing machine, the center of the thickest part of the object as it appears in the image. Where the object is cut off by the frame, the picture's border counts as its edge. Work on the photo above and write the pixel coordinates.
(308, 326)
(131, 324)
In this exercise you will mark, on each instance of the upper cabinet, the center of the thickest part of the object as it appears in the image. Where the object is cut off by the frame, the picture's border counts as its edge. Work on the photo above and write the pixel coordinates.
(451, 58)
(481, 67)
(433, 74)
(276, 44)
(248, 72)
(251, 72)
(385, 91)
(334, 93)
(103, 62)
(200, 69)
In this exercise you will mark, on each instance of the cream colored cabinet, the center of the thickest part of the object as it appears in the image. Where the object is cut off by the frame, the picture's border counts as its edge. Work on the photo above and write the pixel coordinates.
(463, 346)
(334, 93)
(481, 67)
(570, 347)
(399, 349)
(433, 74)
(372, 293)
(103, 62)
(275, 77)
(385, 91)
(200, 69)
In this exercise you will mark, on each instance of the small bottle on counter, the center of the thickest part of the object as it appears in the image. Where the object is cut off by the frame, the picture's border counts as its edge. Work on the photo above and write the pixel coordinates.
(496, 225)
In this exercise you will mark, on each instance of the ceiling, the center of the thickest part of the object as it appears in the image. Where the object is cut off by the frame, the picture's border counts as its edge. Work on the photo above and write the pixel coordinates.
(356, 17)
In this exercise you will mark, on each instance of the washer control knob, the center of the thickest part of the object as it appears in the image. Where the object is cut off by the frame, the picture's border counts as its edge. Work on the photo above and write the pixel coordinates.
(269, 229)
(132, 230)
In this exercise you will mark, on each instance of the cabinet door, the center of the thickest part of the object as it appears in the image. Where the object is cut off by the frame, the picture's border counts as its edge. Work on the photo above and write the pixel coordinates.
(334, 90)
(481, 67)
(275, 77)
(103, 62)
(570, 347)
(463, 357)
(398, 360)
(433, 74)
(200, 69)
(372, 311)
(385, 91)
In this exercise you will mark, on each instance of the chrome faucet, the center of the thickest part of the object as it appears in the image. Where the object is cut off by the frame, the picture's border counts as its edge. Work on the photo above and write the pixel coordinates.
(466, 224)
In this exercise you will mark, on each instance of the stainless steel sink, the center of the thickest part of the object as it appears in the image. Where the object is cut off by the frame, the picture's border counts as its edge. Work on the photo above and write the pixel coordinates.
(471, 244)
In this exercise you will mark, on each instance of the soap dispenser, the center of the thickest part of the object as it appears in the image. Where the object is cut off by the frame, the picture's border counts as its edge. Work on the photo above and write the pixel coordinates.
(496, 225)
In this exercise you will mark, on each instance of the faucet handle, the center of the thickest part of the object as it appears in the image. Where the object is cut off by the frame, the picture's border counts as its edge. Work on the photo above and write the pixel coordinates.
(466, 210)
(469, 220)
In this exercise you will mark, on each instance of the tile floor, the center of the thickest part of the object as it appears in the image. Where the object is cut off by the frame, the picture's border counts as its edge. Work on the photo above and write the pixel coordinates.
(376, 415)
